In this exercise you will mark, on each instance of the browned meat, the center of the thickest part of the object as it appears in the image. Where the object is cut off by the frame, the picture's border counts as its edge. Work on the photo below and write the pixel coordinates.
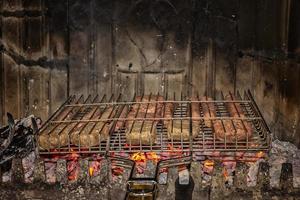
(150, 108)
(242, 128)
(66, 114)
(232, 130)
(208, 110)
(178, 129)
(94, 132)
(143, 132)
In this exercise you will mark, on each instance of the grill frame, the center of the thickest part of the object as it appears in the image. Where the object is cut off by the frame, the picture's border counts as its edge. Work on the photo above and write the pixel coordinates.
(204, 144)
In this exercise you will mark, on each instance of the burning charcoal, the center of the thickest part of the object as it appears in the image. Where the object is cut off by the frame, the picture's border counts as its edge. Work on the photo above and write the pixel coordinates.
(61, 171)
(240, 178)
(84, 170)
(263, 177)
(94, 173)
(207, 171)
(39, 172)
(286, 178)
(29, 167)
(17, 171)
(229, 170)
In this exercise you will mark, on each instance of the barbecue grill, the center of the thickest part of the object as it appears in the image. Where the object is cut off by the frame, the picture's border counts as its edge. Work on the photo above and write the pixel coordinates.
(205, 142)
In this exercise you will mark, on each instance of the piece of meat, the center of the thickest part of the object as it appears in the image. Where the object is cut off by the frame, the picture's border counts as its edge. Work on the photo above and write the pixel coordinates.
(221, 128)
(149, 107)
(178, 129)
(66, 114)
(209, 110)
(121, 124)
(60, 135)
(242, 128)
(195, 107)
(94, 132)
(141, 133)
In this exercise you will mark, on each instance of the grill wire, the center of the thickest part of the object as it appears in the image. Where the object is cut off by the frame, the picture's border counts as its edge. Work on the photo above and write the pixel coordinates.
(204, 142)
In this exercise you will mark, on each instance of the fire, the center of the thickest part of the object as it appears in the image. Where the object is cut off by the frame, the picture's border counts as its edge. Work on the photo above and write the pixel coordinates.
(225, 173)
(208, 166)
(73, 166)
(260, 154)
(138, 157)
(209, 163)
(91, 171)
(152, 156)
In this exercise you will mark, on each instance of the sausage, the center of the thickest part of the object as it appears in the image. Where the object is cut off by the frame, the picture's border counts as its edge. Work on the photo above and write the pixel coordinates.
(66, 114)
(243, 128)
(94, 132)
(145, 132)
(208, 110)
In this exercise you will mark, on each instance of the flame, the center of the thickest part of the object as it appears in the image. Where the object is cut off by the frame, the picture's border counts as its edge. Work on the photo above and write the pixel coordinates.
(138, 157)
(209, 163)
(94, 167)
(225, 173)
(91, 171)
(152, 156)
(73, 166)
(260, 154)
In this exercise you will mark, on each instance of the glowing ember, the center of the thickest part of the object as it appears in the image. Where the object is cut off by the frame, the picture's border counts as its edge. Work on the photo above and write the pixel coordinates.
(94, 168)
(138, 157)
(209, 163)
(73, 166)
(225, 173)
(152, 156)
(260, 154)
(208, 166)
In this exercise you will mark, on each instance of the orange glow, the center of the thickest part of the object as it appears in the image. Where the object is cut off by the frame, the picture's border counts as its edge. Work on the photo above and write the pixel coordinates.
(152, 156)
(225, 173)
(209, 163)
(260, 154)
(91, 171)
(138, 157)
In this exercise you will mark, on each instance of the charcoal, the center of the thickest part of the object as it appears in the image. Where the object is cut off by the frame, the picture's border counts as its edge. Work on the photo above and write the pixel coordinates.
(21, 145)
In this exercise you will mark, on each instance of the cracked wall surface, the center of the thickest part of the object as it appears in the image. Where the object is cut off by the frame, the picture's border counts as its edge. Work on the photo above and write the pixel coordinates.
(53, 48)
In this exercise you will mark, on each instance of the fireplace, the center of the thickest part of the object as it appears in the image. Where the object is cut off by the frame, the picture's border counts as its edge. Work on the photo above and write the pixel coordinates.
(162, 99)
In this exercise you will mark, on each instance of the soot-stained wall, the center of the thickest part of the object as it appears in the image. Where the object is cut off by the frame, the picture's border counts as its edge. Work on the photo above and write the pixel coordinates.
(53, 48)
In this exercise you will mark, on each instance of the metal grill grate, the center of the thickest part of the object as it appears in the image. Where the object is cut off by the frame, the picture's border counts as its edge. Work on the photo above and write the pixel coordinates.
(201, 142)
